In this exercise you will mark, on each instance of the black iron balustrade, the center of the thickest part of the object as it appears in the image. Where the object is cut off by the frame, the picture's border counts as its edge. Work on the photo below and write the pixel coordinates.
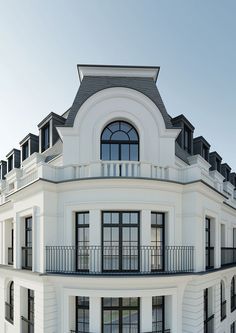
(209, 257)
(27, 325)
(9, 312)
(228, 256)
(10, 256)
(209, 325)
(112, 259)
(27, 257)
(223, 310)
(162, 331)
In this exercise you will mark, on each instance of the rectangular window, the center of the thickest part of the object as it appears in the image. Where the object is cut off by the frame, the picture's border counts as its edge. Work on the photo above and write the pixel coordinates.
(120, 315)
(208, 316)
(209, 249)
(120, 241)
(27, 249)
(82, 241)
(157, 241)
(232, 327)
(45, 137)
(218, 165)
(10, 163)
(158, 307)
(187, 139)
(205, 152)
(82, 314)
(25, 151)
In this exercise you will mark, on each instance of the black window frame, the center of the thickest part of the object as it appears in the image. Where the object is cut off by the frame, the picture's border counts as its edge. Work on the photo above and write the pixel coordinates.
(156, 306)
(222, 302)
(82, 303)
(158, 251)
(30, 304)
(120, 308)
(10, 164)
(120, 226)
(209, 250)
(187, 139)
(9, 305)
(232, 294)
(27, 249)
(82, 251)
(207, 318)
(233, 327)
(111, 142)
(45, 137)
(25, 150)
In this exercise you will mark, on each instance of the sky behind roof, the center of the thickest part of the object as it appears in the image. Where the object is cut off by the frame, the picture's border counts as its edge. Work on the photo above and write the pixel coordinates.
(194, 43)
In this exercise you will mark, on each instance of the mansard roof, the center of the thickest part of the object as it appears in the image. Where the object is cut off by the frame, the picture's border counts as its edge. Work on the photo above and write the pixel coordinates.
(141, 79)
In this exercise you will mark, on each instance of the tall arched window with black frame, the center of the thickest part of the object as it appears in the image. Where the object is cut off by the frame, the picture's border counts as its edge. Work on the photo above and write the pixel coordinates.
(119, 142)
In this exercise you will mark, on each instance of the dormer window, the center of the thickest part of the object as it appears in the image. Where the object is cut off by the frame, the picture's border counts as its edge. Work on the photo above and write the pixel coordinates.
(45, 144)
(218, 162)
(25, 151)
(187, 139)
(10, 163)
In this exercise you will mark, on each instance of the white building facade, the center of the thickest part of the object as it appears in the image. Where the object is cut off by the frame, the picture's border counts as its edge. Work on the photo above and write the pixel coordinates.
(115, 219)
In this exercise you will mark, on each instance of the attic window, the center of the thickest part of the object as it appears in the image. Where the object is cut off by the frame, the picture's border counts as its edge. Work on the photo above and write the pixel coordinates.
(227, 175)
(45, 138)
(25, 150)
(10, 163)
(218, 165)
(187, 139)
(205, 152)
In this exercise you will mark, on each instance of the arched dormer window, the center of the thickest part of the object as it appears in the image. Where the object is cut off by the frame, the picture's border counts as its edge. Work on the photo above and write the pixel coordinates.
(119, 142)
(9, 314)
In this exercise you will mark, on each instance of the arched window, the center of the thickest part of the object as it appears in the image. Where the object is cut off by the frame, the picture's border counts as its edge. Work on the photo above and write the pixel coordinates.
(233, 294)
(222, 300)
(119, 142)
(9, 315)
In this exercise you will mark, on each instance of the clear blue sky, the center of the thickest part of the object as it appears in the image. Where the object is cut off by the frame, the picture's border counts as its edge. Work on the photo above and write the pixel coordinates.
(193, 41)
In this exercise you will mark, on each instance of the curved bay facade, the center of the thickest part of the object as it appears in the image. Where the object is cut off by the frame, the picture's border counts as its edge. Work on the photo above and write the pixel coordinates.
(116, 219)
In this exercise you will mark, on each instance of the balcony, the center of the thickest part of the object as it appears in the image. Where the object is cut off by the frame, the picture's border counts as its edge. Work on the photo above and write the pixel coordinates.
(10, 256)
(27, 326)
(27, 258)
(9, 312)
(228, 256)
(116, 260)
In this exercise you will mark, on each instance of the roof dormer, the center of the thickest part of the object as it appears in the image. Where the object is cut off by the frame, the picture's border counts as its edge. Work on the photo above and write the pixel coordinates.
(48, 134)
(13, 159)
(201, 147)
(29, 145)
(185, 138)
(225, 171)
(215, 160)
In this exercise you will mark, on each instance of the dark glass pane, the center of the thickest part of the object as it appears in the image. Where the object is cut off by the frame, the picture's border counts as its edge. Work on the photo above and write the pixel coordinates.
(134, 152)
(105, 151)
(114, 127)
(124, 152)
(125, 127)
(120, 136)
(106, 135)
(114, 152)
(133, 135)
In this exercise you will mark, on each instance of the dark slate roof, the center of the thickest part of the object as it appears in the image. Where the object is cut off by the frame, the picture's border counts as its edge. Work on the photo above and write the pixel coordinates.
(93, 84)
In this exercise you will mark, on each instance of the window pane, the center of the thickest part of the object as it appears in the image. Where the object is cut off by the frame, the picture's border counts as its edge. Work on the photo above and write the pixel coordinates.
(133, 152)
(133, 135)
(114, 152)
(120, 136)
(114, 126)
(106, 134)
(125, 152)
(105, 151)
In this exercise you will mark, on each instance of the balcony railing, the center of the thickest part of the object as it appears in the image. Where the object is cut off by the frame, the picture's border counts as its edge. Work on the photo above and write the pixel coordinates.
(27, 325)
(209, 325)
(10, 256)
(108, 259)
(209, 257)
(9, 312)
(27, 257)
(223, 310)
(228, 256)
(165, 331)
